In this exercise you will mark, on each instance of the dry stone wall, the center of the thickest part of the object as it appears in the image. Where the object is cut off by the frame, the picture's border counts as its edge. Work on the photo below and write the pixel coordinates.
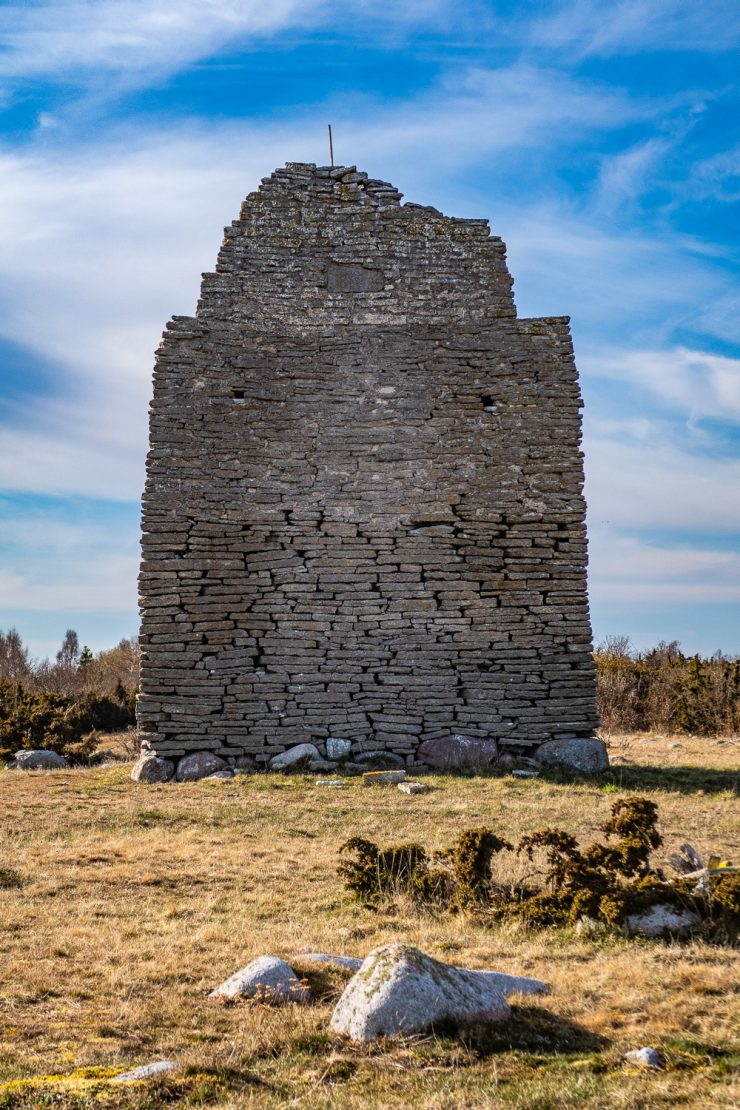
(363, 514)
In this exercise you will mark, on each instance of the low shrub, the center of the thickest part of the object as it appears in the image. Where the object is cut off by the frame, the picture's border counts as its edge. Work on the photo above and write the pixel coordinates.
(62, 723)
(607, 881)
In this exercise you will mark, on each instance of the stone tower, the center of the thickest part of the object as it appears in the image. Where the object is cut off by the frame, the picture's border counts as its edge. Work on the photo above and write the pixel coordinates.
(363, 514)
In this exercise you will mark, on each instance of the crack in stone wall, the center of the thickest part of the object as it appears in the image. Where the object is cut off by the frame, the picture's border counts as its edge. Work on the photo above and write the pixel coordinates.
(363, 514)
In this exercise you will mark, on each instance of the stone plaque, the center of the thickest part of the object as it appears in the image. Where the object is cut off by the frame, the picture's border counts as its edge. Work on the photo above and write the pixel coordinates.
(349, 277)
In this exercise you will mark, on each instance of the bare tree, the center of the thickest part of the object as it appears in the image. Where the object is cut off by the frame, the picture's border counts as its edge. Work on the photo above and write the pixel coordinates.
(15, 665)
(69, 653)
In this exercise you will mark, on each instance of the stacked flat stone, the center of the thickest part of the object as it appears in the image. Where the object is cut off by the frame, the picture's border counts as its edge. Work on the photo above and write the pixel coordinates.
(363, 513)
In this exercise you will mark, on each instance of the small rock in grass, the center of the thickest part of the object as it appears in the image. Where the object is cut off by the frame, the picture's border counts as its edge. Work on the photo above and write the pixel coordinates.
(354, 963)
(399, 990)
(267, 978)
(221, 775)
(646, 1057)
(198, 765)
(521, 773)
(382, 778)
(331, 782)
(38, 759)
(295, 757)
(146, 1071)
(413, 788)
(337, 748)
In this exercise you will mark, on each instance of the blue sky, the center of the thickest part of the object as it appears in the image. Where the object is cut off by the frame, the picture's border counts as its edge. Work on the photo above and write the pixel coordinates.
(599, 137)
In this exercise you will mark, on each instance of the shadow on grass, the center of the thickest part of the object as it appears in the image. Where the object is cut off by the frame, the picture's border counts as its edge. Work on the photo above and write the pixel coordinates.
(532, 1031)
(674, 779)
(632, 776)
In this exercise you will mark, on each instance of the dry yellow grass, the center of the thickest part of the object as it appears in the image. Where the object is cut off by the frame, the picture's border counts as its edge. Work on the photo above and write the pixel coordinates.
(137, 900)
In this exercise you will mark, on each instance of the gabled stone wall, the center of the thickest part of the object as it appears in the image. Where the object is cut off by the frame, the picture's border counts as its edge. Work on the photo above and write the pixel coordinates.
(363, 513)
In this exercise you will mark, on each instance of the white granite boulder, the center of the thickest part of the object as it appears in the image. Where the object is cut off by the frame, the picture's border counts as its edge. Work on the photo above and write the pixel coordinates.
(152, 768)
(267, 979)
(38, 759)
(199, 765)
(449, 752)
(294, 758)
(662, 920)
(507, 984)
(399, 990)
(589, 756)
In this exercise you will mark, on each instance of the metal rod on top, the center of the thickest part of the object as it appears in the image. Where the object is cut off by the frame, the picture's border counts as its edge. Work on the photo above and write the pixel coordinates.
(331, 146)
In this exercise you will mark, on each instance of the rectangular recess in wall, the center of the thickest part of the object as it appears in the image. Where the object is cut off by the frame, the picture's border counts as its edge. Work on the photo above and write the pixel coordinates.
(351, 277)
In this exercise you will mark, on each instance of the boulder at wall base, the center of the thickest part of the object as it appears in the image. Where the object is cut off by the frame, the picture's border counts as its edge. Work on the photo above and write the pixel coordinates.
(152, 768)
(580, 754)
(294, 758)
(337, 748)
(268, 979)
(38, 759)
(399, 990)
(458, 751)
(379, 761)
(198, 765)
(662, 920)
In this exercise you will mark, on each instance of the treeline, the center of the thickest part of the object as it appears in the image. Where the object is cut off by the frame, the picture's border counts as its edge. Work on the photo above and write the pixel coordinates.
(666, 691)
(63, 705)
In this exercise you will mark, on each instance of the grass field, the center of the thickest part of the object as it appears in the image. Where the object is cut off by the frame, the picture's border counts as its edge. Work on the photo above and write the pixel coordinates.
(137, 900)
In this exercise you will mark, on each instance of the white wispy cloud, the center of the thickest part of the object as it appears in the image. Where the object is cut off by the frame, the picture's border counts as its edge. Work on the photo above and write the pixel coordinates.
(695, 383)
(626, 175)
(133, 37)
(136, 41)
(607, 272)
(651, 483)
(717, 177)
(62, 565)
(633, 569)
(606, 27)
